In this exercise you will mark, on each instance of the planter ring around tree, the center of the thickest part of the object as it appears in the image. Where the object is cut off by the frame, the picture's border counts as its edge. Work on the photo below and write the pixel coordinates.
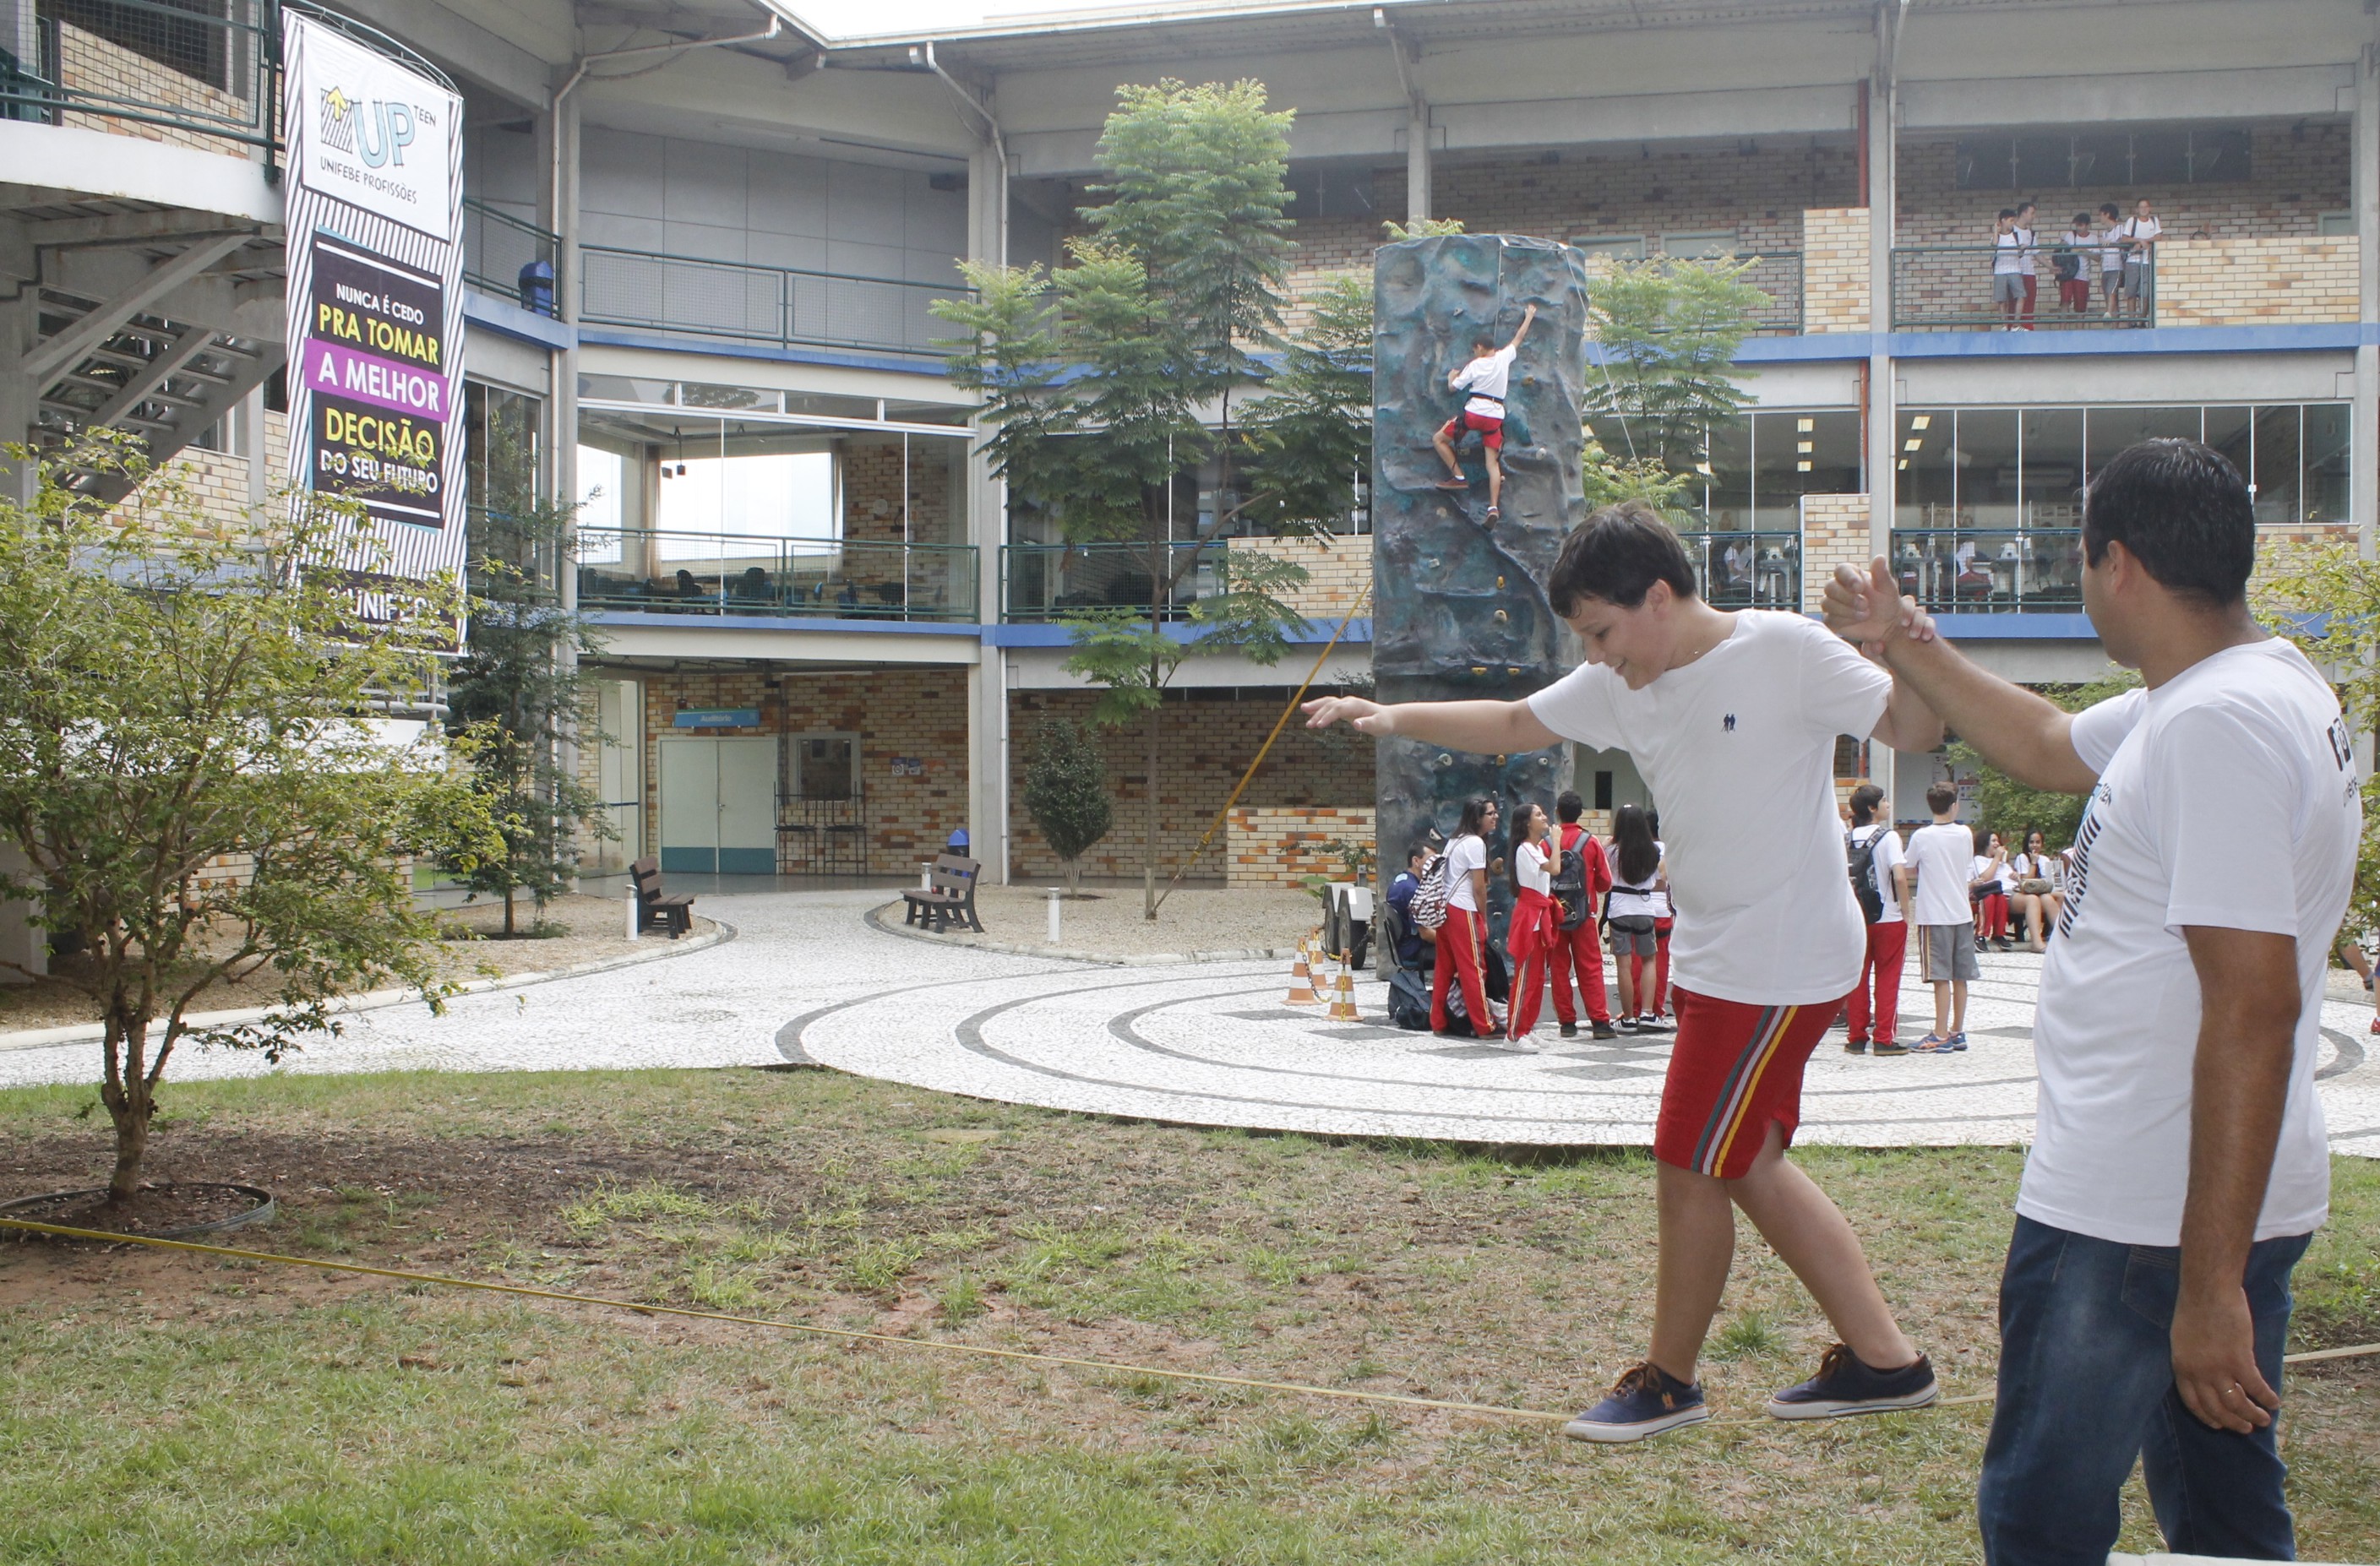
(263, 1212)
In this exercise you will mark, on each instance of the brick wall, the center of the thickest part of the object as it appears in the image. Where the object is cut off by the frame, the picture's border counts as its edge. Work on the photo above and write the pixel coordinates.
(2292, 280)
(1282, 847)
(218, 479)
(1835, 532)
(903, 712)
(1337, 570)
(873, 498)
(91, 66)
(1203, 745)
(1835, 270)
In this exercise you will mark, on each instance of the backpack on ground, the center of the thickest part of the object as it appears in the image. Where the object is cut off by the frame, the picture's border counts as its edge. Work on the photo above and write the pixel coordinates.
(1862, 856)
(1569, 885)
(1429, 896)
(1408, 1001)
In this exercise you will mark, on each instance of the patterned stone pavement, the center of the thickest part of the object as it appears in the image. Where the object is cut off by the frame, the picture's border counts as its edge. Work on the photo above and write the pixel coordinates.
(1208, 1044)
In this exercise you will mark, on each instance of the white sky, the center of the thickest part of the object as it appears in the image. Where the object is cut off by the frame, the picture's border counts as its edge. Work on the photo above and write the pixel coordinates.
(848, 19)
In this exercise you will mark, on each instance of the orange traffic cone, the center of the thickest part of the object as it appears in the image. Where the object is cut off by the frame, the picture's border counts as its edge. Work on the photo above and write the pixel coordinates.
(1300, 982)
(1342, 1000)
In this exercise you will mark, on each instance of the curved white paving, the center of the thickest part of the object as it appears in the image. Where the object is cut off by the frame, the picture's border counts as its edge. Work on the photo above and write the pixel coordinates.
(1207, 1044)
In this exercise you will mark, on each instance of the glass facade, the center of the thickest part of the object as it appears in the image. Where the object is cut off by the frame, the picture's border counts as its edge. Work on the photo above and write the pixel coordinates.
(2026, 468)
(1761, 465)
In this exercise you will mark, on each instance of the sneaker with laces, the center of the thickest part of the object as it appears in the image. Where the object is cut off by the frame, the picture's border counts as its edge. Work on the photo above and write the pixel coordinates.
(1854, 1045)
(1890, 1046)
(1626, 1025)
(1955, 1044)
(1644, 1402)
(1932, 1044)
(1847, 1384)
(1570, 1030)
(1604, 1030)
(1647, 1023)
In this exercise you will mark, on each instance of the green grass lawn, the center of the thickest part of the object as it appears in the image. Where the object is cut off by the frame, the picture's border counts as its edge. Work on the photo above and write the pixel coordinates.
(158, 1408)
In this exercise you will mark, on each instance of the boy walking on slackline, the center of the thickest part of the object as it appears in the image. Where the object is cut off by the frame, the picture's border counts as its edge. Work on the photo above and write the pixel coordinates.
(1485, 378)
(1733, 720)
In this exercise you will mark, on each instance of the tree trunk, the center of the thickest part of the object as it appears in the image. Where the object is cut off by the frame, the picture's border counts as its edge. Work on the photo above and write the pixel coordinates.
(130, 1105)
(1148, 834)
(508, 913)
(1075, 877)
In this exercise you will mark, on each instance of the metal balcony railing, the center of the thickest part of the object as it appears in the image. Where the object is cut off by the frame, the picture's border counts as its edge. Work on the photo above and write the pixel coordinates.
(1044, 582)
(1991, 571)
(785, 306)
(196, 70)
(1949, 288)
(1736, 569)
(635, 571)
(501, 252)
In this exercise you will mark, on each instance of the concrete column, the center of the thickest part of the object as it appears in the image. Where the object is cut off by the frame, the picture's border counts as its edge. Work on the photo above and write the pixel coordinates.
(1417, 170)
(254, 447)
(24, 947)
(557, 138)
(19, 397)
(1882, 194)
(2363, 440)
(988, 732)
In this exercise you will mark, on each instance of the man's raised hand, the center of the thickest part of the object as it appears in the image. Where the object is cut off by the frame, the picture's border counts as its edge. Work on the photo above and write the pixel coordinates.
(1869, 608)
(1365, 717)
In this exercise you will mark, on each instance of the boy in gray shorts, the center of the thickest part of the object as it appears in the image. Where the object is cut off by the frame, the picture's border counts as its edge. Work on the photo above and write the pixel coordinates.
(1946, 922)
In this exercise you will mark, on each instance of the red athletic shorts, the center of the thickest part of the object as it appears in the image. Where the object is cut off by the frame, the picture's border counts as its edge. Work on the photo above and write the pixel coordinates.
(1735, 1068)
(1491, 430)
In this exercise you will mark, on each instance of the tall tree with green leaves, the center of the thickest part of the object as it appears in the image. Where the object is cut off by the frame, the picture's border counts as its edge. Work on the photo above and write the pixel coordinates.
(188, 766)
(1666, 333)
(1095, 379)
(2325, 598)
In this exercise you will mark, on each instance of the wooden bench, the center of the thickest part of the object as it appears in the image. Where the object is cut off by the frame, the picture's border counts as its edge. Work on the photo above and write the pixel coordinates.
(951, 896)
(657, 909)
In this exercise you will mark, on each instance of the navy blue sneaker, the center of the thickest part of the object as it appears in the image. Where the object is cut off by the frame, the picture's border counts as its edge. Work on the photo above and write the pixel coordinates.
(1644, 1402)
(1846, 1384)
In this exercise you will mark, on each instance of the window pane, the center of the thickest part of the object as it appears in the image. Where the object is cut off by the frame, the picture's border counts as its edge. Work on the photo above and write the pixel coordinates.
(1987, 468)
(2325, 462)
(2227, 431)
(1922, 464)
(2053, 467)
(601, 483)
(1729, 481)
(2277, 464)
(2113, 429)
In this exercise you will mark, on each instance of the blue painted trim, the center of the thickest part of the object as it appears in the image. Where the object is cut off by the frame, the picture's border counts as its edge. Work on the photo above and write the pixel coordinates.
(719, 348)
(506, 319)
(1316, 633)
(1830, 346)
(966, 628)
(2017, 628)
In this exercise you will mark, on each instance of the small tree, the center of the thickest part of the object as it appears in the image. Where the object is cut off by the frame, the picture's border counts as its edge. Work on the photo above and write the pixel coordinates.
(1066, 794)
(513, 700)
(2325, 598)
(188, 764)
(1667, 333)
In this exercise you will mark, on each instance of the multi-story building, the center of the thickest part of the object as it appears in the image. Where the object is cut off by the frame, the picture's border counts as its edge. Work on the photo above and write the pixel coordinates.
(827, 644)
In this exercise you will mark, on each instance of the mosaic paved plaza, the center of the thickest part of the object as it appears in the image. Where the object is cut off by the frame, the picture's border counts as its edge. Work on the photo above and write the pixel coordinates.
(806, 979)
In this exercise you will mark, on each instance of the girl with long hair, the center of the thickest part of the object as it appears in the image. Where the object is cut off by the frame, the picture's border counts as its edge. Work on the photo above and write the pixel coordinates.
(2039, 876)
(1463, 942)
(1537, 921)
(1630, 910)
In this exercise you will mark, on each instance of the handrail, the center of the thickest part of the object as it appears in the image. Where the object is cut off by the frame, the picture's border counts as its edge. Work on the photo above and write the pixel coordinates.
(1948, 287)
(750, 301)
(822, 578)
(2019, 569)
(1768, 575)
(1050, 581)
(524, 240)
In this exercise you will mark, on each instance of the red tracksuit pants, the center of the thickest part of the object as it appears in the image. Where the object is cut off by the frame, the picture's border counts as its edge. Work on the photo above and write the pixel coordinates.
(1580, 949)
(1888, 945)
(1461, 941)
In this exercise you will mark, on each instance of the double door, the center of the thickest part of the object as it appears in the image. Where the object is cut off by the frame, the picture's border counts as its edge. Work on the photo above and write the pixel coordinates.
(719, 805)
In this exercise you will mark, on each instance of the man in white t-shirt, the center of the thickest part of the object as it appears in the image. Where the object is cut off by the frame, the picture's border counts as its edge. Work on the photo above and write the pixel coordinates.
(1939, 857)
(2180, 1164)
(2028, 216)
(1888, 934)
(1733, 720)
(2111, 259)
(2008, 268)
(2139, 233)
(1487, 377)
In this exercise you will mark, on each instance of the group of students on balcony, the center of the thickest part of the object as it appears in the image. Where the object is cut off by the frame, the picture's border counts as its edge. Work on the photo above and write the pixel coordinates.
(2122, 250)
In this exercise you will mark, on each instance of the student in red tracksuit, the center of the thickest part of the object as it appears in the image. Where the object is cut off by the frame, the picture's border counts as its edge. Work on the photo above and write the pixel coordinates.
(1463, 940)
(1888, 938)
(1536, 929)
(1581, 948)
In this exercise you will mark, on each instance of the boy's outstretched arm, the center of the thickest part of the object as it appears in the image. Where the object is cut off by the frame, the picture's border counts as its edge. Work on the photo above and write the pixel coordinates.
(1482, 728)
(1527, 316)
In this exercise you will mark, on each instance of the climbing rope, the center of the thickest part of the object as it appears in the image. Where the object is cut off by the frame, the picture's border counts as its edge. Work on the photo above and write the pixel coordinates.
(933, 1345)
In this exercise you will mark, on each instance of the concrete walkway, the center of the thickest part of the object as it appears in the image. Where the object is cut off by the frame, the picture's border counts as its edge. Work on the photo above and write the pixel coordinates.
(1210, 1044)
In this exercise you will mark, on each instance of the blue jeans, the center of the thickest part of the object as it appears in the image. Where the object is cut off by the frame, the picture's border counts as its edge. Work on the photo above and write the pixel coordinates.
(2086, 1385)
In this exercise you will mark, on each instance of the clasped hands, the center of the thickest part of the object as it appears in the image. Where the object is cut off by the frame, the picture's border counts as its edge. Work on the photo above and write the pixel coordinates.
(1870, 610)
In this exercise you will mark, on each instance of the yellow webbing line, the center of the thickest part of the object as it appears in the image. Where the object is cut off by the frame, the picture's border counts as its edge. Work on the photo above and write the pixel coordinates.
(1072, 1362)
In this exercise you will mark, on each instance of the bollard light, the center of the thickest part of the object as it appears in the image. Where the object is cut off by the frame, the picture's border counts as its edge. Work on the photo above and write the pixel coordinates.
(632, 910)
(1054, 893)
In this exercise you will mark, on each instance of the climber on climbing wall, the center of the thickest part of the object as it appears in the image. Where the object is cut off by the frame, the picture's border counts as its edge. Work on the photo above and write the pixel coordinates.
(1485, 377)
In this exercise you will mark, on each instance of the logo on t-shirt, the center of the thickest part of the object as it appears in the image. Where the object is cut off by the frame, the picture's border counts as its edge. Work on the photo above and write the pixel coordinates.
(2077, 877)
(1728, 723)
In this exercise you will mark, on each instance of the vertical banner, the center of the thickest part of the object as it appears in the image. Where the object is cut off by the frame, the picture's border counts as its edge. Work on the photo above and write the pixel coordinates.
(375, 225)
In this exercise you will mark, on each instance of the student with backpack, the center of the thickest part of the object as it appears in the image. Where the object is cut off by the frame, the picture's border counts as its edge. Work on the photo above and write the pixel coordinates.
(1733, 720)
(1536, 924)
(1880, 875)
(1581, 875)
(1463, 940)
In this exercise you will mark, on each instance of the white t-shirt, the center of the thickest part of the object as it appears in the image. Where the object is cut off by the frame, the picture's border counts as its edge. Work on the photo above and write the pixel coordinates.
(2038, 867)
(2112, 257)
(2139, 229)
(1463, 856)
(1739, 747)
(1942, 856)
(1635, 898)
(2007, 253)
(1887, 859)
(2227, 798)
(1487, 378)
(1535, 866)
(2032, 255)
